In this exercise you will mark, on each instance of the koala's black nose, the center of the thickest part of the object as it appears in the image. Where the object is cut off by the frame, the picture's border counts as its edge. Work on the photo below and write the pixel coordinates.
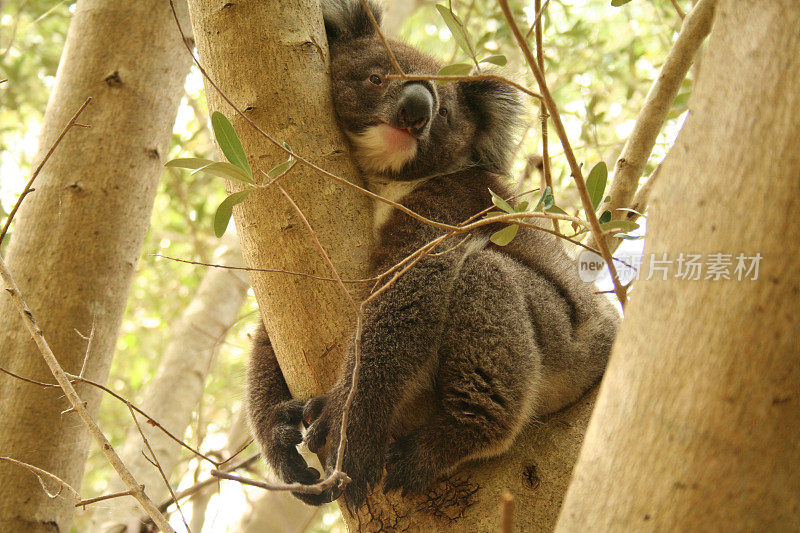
(414, 108)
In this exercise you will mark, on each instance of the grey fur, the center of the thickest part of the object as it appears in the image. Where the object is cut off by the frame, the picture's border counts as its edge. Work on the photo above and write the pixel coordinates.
(460, 352)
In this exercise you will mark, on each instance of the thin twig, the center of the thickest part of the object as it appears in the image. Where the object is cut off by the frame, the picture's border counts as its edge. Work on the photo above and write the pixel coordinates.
(72, 122)
(84, 503)
(681, 12)
(76, 402)
(377, 27)
(573, 163)
(39, 473)
(253, 269)
(543, 116)
(157, 464)
(150, 420)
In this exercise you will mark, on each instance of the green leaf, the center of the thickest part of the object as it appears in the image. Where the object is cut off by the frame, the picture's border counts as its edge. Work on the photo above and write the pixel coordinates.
(456, 27)
(546, 201)
(634, 211)
(499, 60)
(492, 214)
(505, 235)
(229, 142)
(628, 236)
(521, 207)
(605, 217)
(596, 183)
(624, 225)
(222, 169)
(499, 202)
(225, 210)
(618, 3)
(279, 170)
(188, 162)
(456, 69)
(556, 209)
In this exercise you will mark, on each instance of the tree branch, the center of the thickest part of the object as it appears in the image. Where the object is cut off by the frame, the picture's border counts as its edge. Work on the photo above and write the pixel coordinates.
(77, 404)
(630, 165)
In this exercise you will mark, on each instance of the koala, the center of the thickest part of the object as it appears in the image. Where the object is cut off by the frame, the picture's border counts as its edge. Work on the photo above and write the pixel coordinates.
(474, 341)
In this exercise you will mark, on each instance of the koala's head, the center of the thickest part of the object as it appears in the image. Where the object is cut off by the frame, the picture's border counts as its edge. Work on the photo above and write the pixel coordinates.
(405, 130)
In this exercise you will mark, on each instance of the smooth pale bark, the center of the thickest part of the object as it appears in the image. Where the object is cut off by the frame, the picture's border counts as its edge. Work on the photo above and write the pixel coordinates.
(279, 76)
(78, 236)
(271, 60)
(697, 425)
(174, 393)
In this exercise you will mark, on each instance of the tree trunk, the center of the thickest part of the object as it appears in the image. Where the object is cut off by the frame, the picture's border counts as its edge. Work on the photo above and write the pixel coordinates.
(174, 392)
(697, 426)
(279, 77)
(78, 236)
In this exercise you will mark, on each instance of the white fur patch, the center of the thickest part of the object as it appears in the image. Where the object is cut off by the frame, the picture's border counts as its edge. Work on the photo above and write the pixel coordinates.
(391, 190)
(376, 153)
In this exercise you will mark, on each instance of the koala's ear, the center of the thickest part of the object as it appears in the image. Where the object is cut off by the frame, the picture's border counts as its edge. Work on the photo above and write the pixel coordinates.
(348, 19)
(498, 111)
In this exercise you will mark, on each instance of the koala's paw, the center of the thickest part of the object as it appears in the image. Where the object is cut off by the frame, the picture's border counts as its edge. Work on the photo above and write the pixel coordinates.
(279, 444)
(408, 468)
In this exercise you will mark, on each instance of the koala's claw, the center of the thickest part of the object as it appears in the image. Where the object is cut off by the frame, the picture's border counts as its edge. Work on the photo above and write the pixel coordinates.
(313, 409)
(280, 445)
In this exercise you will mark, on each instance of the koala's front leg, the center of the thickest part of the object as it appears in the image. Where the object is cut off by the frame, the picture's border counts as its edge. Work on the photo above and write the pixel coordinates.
(399, 337)
(275, 417)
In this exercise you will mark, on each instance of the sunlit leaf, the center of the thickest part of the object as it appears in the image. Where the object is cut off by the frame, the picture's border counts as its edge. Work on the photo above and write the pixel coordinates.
(624, 225)
(188, 162)
(456, 69)
(456, 27)
(223, 169)
(556, 209)
(628, 236)
(505, 235)
(279, 170)
(596, 183)
(500, 60)
(521, 207)
(546, 201)
(225, 210)
(499, 202)
(618, 3)
(229, 142)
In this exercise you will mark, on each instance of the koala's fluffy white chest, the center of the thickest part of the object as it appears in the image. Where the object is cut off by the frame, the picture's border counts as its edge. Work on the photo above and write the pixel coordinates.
(391, 190)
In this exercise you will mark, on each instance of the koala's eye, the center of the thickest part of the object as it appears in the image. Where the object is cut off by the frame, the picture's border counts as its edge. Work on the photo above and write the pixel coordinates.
(443, 111)
(375, 79)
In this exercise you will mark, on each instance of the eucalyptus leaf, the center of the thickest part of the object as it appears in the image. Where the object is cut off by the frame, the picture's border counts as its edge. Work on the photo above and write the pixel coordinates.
(605, 217)
(624, 225)
(456, 69)
(505, 235)
(556, 209)
(546, 201)
(188, 162)
(628, 236)
(279, 170)
(499, 202)
(229, 142)
(596, 183)
(521, 207)
(456, 27)
(634, 211)
(223, 169)
(223, 215)
(500, 60)
(618, 3)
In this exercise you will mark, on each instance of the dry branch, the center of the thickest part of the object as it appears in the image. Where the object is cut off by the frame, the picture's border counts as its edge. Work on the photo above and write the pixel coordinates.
(77, 403)
(577, 175)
